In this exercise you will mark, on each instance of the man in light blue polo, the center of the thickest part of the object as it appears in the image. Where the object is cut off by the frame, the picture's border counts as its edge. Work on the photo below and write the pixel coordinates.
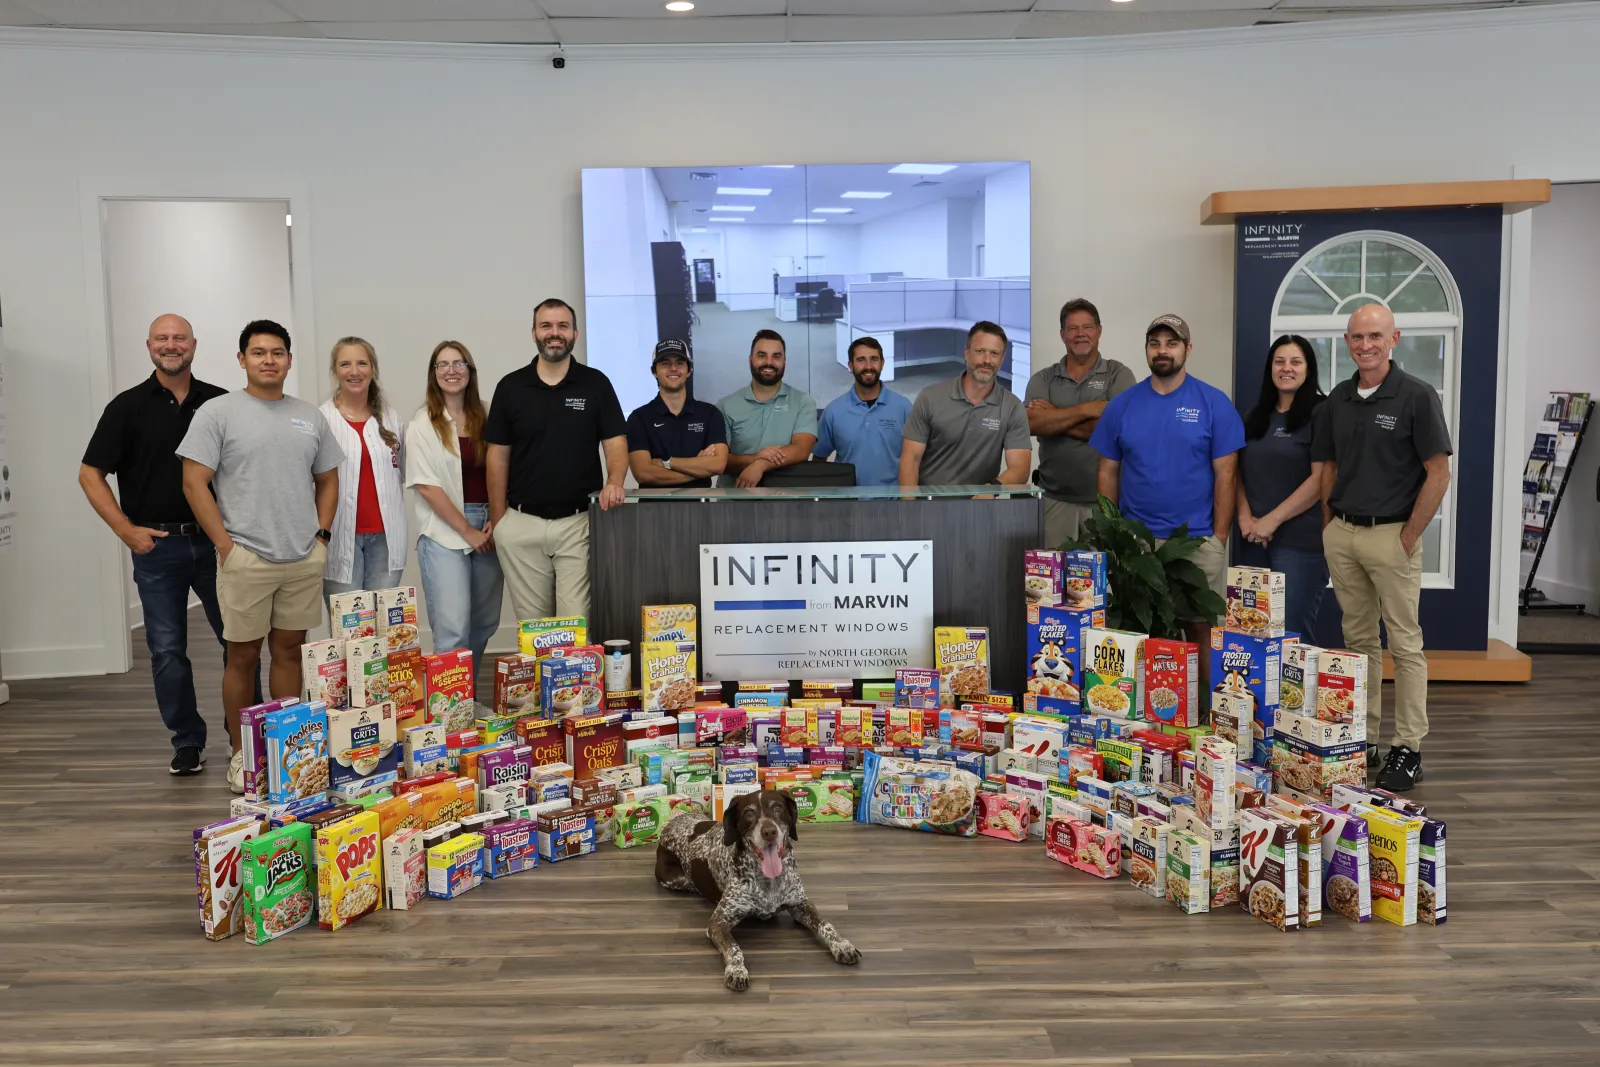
(769, 424)
(864, 424)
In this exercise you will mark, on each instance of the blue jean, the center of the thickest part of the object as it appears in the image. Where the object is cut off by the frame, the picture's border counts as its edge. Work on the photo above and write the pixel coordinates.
(1305, 583)
(369, 569)
(462, 591)
(164, 576)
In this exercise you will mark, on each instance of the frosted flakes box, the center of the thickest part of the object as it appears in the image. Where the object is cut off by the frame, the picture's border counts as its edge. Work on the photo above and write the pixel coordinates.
(667, 622)
(1172, 682)
(323, 675)
(367, 665)
(1043, 576)
(535, 637)
(218, 855)
(1342, 686)
(668, 673)
(349, 870)
(297, 752)
(361, 746)
(1113, 673)
(448, 677)
(1055, 656)
(1253, 665)
(277, 888)
(1084, 581)
(352, 615)
(1255, 601)
(961, 656)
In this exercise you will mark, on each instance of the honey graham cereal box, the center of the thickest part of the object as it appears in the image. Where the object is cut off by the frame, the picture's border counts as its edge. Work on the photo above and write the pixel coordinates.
(278, 890)
(667, 622)
(535, 637)
(349, 871)
(1172, 682)
(668, 675)
(396, 611)
(1113, 673)
(367, 665)
(323, 675)
(961, 656)
(448, 687)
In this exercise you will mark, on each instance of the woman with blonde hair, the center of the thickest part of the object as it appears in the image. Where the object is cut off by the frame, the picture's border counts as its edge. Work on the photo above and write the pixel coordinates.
(367, 549)
(461, 580)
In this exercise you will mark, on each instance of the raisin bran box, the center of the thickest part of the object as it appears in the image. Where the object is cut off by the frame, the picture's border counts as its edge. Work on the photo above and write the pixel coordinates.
(1055, 656)
(277, 889)
(961, 656)
(449, 689)
(504, 766)
(1172, 682)
(1251, 665)
(323, 675)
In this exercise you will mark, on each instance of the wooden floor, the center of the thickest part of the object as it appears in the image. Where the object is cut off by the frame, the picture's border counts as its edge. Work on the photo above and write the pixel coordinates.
(975, 952)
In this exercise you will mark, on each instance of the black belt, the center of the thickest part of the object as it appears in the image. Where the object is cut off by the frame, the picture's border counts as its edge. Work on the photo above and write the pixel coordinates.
(1370, 520)
(183, 529)
(549, 511)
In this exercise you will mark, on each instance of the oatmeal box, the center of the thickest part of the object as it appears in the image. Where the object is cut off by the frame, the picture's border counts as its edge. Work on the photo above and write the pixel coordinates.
(1087, 847)
(349, 870)
(1044, 577)
(1172, 682)
(1256, 601)
(352, 615)
(323, 675)
(1148, 870)
(405, 869)
(277, 889)
(367, 664)
(1341, 686)
(396, 612)
(1113, 673)
(1188, 872)
(961, 656)
(362, 745)
(1084, 582)
(668, 674)
(1269, 868)
(448, 688)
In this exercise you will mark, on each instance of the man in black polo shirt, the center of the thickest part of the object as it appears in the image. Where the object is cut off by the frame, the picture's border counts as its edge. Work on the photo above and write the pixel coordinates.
(137, 439)
(1383, 437)
(674, 441)
(546, 425)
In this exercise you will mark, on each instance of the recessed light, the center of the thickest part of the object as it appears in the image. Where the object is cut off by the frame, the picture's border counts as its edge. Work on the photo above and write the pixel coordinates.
(734, 190)
(1116, 1)
(777, 166)
(858, 195)
(923, 168)
(832, 210)
(733, 207)
(697, 229)
(817, 222)
(680, 6)
(720, 218)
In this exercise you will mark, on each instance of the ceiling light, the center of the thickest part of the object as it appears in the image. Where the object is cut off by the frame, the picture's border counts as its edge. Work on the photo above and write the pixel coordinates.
(833, 210)
(858, 195)
(680, 6)
(812, 221)
(777, 166)
(733, 207)
(1113, 1)
(733, 190)
(719, 218)
(923, 168)
(697, 229)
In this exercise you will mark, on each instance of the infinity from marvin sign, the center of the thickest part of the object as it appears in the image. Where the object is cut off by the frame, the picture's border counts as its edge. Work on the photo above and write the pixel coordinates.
(833, 569)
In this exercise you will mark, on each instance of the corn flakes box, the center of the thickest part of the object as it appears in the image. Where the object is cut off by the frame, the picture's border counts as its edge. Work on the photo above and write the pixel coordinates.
(277, 887)
(448, 685)
(349, 870)
(537, 636)
(1395, 848)
(297, 752)
(1113, 673)
(1172, 682)
(668, 622)
(1083, 584)
(323, 675)
(367, 666)
(455, 866)
(352, 615)
(668, 674)
(961, 656)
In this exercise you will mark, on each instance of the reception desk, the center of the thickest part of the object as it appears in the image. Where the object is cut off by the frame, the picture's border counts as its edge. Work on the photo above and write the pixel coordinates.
(647, 551)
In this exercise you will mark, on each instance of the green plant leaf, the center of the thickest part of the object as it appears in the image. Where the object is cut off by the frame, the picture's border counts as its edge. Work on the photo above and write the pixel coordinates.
(1187, 573)
(1147, 568)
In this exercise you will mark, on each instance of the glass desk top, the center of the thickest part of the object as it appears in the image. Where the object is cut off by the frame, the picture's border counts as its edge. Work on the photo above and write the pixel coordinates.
(830, 492)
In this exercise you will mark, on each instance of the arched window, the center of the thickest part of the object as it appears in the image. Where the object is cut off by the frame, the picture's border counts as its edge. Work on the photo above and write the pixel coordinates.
(1377, 267)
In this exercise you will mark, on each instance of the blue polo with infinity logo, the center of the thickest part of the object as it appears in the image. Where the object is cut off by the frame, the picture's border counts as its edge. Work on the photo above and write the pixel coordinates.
(867, 435)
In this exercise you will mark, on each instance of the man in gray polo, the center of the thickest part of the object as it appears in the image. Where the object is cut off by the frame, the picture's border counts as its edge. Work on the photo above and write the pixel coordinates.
(770, 425)
(1383, 437)
(961, 431)
(1064, 402)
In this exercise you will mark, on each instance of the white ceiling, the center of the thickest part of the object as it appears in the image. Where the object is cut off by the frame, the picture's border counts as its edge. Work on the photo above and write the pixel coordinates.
(578, 22)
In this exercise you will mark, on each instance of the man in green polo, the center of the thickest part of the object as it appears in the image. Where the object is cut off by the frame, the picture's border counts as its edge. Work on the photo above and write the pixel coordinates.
(770, 425)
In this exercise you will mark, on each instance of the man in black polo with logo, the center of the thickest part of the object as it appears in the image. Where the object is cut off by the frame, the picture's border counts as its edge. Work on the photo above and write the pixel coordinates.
(675, 441)
(137, 439)
(547, 424)
(1383, 437)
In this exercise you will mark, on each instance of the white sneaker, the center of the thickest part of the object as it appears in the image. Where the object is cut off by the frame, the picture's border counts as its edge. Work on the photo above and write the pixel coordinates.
(236, 771)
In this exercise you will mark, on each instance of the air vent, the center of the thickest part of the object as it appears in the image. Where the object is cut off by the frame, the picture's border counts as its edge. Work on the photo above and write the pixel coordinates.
(702, 175)
(925, 184)
(701, 210)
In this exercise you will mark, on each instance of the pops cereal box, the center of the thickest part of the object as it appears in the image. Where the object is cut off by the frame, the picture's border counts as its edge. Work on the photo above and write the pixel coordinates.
(396, 611)
(367, 665)
(1255, 601)
(278, 891)
(535, 637)
(218, 856)
(448, 678)
(405, 869)
(349, 870)
(1341, 686)
(1113, 673)
(668, 673)
(667, 622)
(1172, 682)
(361, 746)
(961, 656)
(1084, 585)
(1044, 575)
(353, 614)
(323, 675)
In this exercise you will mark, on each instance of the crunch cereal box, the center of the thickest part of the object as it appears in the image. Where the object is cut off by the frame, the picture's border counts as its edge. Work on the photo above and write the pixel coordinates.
(349, 871)
(667, 622)
(1113, 673)
(322, 673)
(367, 664)
(668, 673)
(537, 636)
(396, 611)
(961, 656)
(449, 689)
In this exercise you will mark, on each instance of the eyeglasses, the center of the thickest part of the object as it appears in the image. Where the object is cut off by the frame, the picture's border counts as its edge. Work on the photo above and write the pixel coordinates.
(453, 367)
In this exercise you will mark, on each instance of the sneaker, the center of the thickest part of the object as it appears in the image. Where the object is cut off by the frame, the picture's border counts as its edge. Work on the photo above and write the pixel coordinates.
(1372, 760)
(236, 771)
(188, 760)
(1402, 769)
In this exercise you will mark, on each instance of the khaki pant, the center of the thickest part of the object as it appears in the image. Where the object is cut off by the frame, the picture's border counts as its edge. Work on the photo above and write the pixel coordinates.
(545, 563)
(1211, 557)
(1062, 521)
(1374, 578)
(256, 595)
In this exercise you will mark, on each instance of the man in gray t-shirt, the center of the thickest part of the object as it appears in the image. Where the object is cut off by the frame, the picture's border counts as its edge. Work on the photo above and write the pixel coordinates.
(273, 465)
(961, 431)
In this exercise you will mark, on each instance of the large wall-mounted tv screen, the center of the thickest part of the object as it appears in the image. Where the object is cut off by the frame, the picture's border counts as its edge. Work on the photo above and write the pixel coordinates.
(911, 254)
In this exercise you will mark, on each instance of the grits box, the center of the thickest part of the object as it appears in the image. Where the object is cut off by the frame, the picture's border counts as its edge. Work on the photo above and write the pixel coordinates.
(535, 637)
(218, 853)
(1055, 656)
(277, 889)
(323, 675)
(667, 622)
(1255, 601)
(349, 870)
(593, 743)
(1251, 665)
(1269, 868)
(1172, 682)
(408, 687)
(516, 684)
(961, 656)
(1342, 686)
(361, 745)
(367, 664)
(397, 618)
(1044, 576)
(1084, 585)
(1149, 867)
(449, 689)
(1297, 690)
(405, 869)
(1113, 673)
(915, 687)
(353, 615)
(667, 673)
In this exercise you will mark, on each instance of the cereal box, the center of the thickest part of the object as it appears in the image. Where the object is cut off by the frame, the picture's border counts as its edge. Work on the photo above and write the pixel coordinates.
(1044, 739)
(403, 811)
(423, 749)
(361, 745)
(1395, 844)
(853, 727)
(667, 622)
(1004, 815)
(1188, 871)
(1255, 601)
(322, 673)
(1044, 575)
(1342, 686)
(516, 684)
(1232, 715)
(1215, 779)
(297, 752)
(1172, 682)
(408, 686)
(455, 866)
(505, 766)
(353, 615)
(367, 665)
(1269, 868)
(827, 688)
(253, 743)
(916, 687)
(668, 675)
(218, 855)
(510, 847)
(277, 890)
(930, 795)
(593, 743)
(1251, 665)
(1430, 874)
(1032, 787)
(961, 655)
(794, 727)
(639, 822)
(568, 686)
(1148, 869)
(396, 611)
(449, 689)
(1346, 863)
(405, 869)
(1055, 658)
(565, 834)
(535, 637)
(1113, 673)
(349, 870)
(903, 727)
(1087, 847)
(1297, 689)
(1222, 853)
(448, 801)
(1308, 774)
(1084, 584)
(831, 798)
(1308, 832)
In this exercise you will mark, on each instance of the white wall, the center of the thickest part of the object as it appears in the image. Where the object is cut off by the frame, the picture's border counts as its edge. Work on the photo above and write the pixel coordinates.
(747, 278)
(1008, 248)
(443, 184)
(915, 242)
(1563, 357)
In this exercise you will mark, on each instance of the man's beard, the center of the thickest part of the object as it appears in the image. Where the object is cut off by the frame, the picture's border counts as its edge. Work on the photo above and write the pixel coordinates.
(183, 366)
(553, 351)
(983, 375)
(866, 378)
(1172, 366)
(769, 375)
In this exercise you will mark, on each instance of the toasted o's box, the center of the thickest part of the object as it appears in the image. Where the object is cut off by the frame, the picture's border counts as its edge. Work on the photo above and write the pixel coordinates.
(667, 622)
(961, 656)
(594, 742)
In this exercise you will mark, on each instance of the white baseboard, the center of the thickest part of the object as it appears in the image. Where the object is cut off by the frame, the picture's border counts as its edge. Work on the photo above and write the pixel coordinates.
(74, 661)
(1568, 593)
(5, 692)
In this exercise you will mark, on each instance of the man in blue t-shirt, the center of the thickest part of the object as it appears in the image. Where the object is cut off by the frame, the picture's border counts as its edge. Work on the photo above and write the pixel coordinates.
(863, 424)
(1168, 450)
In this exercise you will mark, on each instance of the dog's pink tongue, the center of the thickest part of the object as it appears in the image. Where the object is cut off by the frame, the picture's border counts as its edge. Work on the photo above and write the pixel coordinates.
(771, 862)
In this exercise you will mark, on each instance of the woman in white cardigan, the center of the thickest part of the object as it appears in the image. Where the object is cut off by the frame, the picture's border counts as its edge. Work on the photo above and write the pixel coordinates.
(461, 580)
(368, 547)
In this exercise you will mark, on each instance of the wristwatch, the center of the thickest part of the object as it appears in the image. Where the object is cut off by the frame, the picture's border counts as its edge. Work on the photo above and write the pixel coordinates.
(324, 536)
(667, 463)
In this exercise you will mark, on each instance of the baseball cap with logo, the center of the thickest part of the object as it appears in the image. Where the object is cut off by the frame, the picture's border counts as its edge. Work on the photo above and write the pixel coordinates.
(671, 349)
(1169, 322)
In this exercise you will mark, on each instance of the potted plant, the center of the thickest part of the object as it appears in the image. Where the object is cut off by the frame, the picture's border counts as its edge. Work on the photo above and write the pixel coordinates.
(1151, 589)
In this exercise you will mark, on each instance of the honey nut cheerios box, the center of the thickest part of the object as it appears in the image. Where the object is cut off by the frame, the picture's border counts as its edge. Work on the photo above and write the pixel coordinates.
(1113, 673)
(408, 686)
(961, 656)
(349, 870)
(396, 611)
(669, 674)
(667, 622)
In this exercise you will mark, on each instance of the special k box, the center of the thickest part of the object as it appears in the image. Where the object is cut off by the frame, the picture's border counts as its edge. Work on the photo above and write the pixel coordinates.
(1172, 682)
(449, 689)
(323, 675)
(594, 743)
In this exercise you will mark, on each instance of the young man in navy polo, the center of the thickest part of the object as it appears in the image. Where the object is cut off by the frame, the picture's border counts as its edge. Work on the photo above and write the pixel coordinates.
(674, 441)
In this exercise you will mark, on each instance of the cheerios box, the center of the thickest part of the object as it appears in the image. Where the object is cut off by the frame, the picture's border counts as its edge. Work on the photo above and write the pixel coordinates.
(396, 611)
(353, 614)
(668, 675)
(1172, 682)
(538, 636)
(1255, 601)
(961, 656)
(349, 870)
(449, 689)
(276, 886)
(1395, 847)
(667, 622)
(1341, 686)
(1254, 665)
(297, 752)
(1113, 673)
(323, 675)
(1055, 659)
(367, 666)
(361, 745)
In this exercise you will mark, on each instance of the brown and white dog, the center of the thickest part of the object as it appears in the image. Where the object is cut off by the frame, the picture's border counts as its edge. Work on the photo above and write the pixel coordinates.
(747, 869)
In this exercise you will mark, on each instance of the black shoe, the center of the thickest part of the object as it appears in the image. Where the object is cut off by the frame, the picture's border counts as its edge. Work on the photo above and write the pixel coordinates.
(1402, 769)
(188, 760)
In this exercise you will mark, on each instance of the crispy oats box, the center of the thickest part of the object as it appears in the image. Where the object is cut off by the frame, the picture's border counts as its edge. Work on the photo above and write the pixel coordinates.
(1113, 673)
(218, 852)
(396, 611)
(349, 870)
(1172, 682)
(1341, 686)
(961, 656)
(667, 622)
(361, 746)
(1148, 869)
(1395, 844)
(535, 637)
(1297, 691)
(367, 664)
(668, 675)
(1269, 871)
(1188, 885)
(593, 743)
(277, 891)
(352, 615)
(323, 675)
(1256, 601)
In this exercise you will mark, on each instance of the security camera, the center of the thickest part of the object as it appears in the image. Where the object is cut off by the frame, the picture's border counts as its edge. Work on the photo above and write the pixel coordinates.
(559, 62)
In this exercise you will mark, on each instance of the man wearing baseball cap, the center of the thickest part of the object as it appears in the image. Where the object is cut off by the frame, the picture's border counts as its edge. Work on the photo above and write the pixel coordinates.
(675, 441)
(1168, 450)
